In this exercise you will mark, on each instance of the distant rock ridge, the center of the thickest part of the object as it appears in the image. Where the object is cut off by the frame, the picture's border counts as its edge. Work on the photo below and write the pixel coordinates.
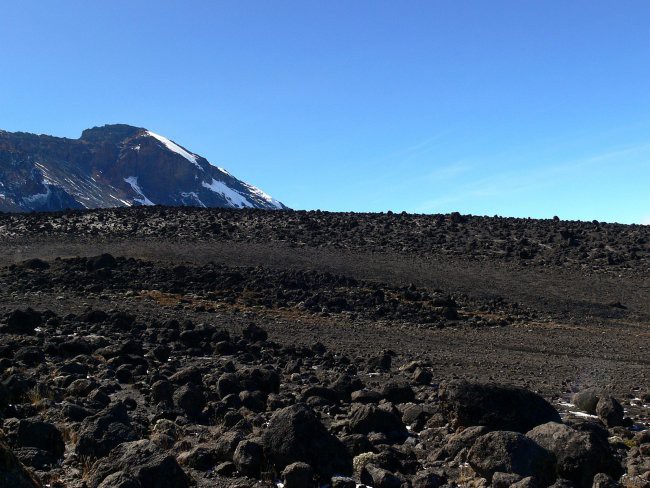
(114, 166)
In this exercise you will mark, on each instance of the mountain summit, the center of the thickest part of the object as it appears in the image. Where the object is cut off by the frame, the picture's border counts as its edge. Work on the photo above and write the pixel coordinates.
(114, 166)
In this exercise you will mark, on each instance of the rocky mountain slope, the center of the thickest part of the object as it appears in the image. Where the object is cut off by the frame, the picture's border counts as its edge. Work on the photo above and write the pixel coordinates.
(114, 166)
(187, 347)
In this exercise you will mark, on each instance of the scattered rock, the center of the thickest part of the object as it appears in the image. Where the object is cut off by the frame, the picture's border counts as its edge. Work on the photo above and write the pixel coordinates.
(511, 452)
(296, 434)
(578, 455)
(495, 406)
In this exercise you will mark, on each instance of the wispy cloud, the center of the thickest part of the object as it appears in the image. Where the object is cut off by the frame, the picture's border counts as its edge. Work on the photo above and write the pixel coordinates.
(645, 220)
(511, 183)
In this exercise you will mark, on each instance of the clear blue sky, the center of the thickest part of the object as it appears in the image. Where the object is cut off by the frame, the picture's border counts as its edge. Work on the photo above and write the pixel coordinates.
(515, 108)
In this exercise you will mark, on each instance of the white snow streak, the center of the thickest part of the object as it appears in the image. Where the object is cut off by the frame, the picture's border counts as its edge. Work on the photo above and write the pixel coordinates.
(229, 194)
(264, 196)
(193, 195)
(133, 181)
(38, 197)
(172, 146)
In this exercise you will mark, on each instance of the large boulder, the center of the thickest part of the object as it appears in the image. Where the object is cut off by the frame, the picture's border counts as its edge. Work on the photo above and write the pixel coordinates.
(511, 452)
(296, 434)
(298, 475)
(610, 411)
(142, 461)
(101, 433)
(248, 458)
(23, 321)
(586, 400)
(12, 472)
(365, 419)
(495, 406)
(190, 399)
(41, 435)
(579, 455)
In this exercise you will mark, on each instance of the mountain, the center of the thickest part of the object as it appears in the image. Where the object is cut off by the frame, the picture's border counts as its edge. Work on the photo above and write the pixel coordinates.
(114, 166)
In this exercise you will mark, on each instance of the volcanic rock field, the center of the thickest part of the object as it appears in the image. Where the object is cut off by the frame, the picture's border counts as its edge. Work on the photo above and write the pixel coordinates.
(175, 347)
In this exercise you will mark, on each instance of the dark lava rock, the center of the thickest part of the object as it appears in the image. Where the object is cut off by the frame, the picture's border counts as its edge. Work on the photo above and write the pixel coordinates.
(510, 452)
(602, 480)
(369, 418)
(42, 435)
(610, 411)
(586, 400)
(427, 479)
(35, 264)
(379, 478)
(201, 458)
(162, 391)
(105, 261)
(298, 475)
(225, 469)
(144, 462)
(465, 439)
(101, 433)
(504, 480)
(398, 392)
(190, 399)
(12, 473)
(579, 455)
(23, 321)
(343, 482)
(296, 434)
(30, 356)
(422, 376)
(225, 445)
(35, 458)
(366, 396)
(120, 480)
(248, 458)
(254, 333)
(495, 406)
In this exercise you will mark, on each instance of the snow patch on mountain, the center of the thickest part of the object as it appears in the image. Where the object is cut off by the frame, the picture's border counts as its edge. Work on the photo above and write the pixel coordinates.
(38, 197)
(192, 195)
(264, 196)
(133, 181)
(229, 194)
(172, 146)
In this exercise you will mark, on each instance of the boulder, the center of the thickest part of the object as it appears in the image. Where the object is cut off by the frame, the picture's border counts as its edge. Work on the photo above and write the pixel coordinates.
(248, 458)
(12, 473)
(610, 411)
(23, 321)
(365, 419)
(602, 480)
(398, 392)
(41, 435)
(190, 399)
(380, 478)
(579, 456)
(511, 452)
(143, 461)
(119, 480)
(296, 434)
(494, 406)
(298, 475)
(586, 400)
(427, 479)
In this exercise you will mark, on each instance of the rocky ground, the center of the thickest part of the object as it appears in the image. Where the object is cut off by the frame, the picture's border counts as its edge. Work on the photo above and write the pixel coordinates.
(162, 347)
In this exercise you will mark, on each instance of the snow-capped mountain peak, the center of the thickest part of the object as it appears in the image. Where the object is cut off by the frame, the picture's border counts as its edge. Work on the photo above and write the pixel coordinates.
(114, 165)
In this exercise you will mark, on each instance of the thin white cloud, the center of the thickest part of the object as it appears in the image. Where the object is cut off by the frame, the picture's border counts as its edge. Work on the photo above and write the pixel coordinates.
(517, 182)
(646, 220)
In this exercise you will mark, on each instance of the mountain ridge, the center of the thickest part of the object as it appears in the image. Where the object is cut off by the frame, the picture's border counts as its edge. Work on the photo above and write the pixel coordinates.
(114, 165)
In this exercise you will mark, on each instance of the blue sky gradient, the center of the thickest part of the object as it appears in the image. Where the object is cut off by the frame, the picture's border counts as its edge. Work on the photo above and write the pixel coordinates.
(502, 107)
